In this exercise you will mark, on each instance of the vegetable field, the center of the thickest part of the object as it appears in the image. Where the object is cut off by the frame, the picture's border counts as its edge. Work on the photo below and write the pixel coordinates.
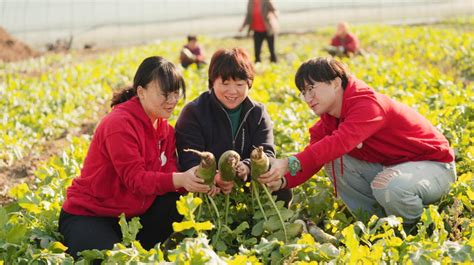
(53, 98)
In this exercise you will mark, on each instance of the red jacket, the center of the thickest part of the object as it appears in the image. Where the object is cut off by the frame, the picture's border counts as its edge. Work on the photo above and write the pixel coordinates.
(374, 128)
(128, 164)
(350, 42)
(258, 23)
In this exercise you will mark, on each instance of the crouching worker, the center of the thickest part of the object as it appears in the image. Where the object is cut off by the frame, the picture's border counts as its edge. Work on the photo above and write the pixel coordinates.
(226, 118)
(192, 53)
(130, 167)
(376, 151)
(344, 43)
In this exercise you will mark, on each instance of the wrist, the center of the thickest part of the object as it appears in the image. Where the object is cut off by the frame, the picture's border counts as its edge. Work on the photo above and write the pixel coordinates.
(177, 180)
(293, 165)
(287, 168)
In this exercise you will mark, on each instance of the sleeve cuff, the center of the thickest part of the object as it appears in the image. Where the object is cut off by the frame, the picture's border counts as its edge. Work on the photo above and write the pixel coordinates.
(165, 183)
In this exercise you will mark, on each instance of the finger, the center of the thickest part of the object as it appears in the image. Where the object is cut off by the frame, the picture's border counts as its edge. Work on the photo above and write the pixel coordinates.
(202, 187)
(269, 179)
(267, 174)
(211, 193)
(197, 179)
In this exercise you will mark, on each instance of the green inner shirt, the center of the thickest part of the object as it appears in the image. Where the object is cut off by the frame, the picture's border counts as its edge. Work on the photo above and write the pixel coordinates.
(234, 116)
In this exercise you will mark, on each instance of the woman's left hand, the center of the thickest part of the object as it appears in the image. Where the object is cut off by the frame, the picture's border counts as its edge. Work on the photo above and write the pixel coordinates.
(214, 191)
(279, 167)
(242, 171)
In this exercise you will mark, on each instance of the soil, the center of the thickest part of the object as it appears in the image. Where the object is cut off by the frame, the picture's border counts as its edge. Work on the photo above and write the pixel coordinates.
(12, 49)
(23, 170)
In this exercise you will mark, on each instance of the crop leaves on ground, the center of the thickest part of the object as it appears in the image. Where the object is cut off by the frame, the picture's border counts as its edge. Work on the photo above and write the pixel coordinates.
(429, 68)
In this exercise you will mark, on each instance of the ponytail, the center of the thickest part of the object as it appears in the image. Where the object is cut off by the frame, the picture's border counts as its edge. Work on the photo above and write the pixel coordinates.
(123, 95)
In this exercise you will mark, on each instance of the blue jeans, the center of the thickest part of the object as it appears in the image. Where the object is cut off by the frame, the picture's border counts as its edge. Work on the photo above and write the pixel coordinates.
(401, 190)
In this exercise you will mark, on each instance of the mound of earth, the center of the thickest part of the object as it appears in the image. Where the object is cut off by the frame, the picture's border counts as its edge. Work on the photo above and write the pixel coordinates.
(12, 49)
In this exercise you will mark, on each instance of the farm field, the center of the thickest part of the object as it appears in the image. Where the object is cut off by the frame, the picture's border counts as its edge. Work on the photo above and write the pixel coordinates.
(52, 103)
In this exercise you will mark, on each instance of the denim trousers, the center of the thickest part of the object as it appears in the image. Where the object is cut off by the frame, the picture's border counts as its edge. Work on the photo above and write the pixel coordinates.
(401, 190)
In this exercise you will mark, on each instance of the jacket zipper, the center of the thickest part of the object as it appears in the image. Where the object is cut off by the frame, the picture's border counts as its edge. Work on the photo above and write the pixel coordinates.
(240, 126)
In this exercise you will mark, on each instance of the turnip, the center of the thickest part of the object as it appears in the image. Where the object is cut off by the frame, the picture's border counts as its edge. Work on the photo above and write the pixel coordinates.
(207, 171)
(207, 166)
(228, 165)
(260, 164)
(228, 170)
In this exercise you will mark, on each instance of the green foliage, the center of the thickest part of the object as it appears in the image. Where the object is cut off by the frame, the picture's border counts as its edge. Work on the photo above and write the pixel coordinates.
(429, 68)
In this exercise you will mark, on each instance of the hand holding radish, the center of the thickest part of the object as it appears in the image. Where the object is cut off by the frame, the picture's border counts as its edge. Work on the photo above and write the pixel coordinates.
(242, 171)
(226, 186)
(278, 169)
(214, 191)
(190, 181)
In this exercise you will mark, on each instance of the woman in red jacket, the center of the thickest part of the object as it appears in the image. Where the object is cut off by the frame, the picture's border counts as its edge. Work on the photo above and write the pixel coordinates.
(375, 150)
(131, 167)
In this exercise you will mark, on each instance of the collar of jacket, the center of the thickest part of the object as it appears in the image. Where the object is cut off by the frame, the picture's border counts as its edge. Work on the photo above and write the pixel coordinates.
(135, 108)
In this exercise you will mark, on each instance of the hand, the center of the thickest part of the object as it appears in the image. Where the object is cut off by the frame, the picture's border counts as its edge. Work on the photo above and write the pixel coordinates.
(279, 167)
(214, 191)
(241, 28)
(190, 181)
(242, 171)
(276, 185)
(226, 186)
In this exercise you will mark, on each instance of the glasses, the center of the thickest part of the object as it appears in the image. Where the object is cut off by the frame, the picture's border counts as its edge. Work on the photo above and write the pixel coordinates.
(170, 97)
(308, 90)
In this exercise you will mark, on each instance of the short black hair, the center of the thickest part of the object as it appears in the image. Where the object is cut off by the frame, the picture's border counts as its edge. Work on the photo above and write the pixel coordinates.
(231, 64)
(192, 37)
(321, 70)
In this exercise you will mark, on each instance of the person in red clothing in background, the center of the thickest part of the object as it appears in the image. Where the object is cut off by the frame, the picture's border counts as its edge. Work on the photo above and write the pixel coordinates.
(376, 151)
(131, 166)
(344, 42)
(261, 18)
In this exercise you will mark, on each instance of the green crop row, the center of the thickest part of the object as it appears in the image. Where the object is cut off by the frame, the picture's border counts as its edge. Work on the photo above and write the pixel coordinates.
(430, 68)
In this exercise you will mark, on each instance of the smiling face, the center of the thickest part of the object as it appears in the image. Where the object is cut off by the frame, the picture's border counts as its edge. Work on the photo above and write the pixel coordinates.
(231, 93)
(155, 102)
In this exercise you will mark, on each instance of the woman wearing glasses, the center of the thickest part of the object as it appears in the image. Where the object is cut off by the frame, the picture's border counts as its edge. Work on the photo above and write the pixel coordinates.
(225, 118)
(375, 150)
(130, 167)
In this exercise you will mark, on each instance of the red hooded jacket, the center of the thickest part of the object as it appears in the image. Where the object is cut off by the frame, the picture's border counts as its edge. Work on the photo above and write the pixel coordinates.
(128, 164)
(374, 128)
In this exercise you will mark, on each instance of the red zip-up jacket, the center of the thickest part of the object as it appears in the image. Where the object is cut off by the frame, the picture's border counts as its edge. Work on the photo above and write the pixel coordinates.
(128, 164)
(374, 128)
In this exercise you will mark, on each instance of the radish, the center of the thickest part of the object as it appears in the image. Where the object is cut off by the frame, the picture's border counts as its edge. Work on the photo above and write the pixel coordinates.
(227, 165)
(207, 166)
(228, 170)
(260, 164)
(207, 171)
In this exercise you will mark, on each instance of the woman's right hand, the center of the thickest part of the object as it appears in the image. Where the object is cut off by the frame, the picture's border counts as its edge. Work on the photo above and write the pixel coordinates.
(226, 186)
(190, 181)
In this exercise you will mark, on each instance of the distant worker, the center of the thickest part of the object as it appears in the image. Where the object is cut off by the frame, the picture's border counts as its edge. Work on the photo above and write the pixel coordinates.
(344, 43)
(261, 18)
(191, 53)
